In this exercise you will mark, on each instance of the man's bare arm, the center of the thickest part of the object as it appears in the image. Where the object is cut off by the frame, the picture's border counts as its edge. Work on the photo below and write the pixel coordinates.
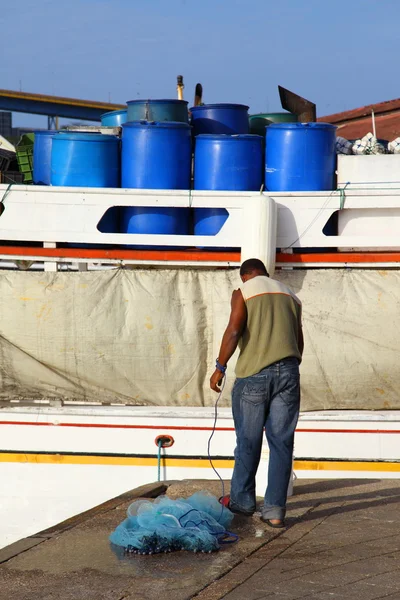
(230, 339)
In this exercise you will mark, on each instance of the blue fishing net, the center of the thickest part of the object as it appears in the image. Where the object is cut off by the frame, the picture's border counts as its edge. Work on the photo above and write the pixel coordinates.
(198, 524)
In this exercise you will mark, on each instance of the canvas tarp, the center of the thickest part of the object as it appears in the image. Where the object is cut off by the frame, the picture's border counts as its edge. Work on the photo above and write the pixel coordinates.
(151, 336)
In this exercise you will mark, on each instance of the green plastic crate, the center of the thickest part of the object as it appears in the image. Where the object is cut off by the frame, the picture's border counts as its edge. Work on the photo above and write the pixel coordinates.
(24, 151)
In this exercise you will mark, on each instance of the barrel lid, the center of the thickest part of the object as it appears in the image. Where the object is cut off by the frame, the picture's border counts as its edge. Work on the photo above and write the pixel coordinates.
(163, 101)
(114, 112)
(86, 137)
(156, 125)
(318, 125)
(207, 106)
(225, 137)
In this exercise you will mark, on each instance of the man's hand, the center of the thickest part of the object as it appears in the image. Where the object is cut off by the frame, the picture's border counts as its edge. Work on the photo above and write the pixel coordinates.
(216, 380)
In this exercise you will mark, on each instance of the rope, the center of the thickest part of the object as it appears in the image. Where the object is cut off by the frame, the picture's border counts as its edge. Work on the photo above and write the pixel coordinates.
(312, 221)
(227, 537)
(6, 192)
(342, 192)
(211, 437)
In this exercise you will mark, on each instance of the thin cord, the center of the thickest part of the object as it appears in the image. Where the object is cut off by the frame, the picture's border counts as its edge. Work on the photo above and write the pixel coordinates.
(211, 437)
(227, 537)
(342, 192)
(312, 221)
(6, 192)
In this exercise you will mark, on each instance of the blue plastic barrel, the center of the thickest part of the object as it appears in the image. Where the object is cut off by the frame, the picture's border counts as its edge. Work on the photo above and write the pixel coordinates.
(158, 110)
(225, 162)
(156, 156)
(85, 160)
(300, 157)
(220, 118)
(228, 162)
(115, 118)
(42, 157)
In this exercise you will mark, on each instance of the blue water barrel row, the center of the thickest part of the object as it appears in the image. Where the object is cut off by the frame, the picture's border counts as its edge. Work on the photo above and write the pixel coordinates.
(155, 152)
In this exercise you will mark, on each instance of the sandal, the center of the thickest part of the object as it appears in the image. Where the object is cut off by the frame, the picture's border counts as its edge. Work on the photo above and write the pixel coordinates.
(279, 525)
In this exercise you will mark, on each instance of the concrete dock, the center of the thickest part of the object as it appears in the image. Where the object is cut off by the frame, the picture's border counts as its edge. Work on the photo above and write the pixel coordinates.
(342, 541)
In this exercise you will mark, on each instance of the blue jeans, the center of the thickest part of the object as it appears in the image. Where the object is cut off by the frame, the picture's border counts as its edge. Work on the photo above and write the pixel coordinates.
(269, 399)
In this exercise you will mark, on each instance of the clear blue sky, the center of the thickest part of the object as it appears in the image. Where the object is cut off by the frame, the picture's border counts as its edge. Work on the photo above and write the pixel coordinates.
(340, 54)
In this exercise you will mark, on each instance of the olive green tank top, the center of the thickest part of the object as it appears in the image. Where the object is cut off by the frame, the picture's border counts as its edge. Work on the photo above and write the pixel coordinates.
(272, 328)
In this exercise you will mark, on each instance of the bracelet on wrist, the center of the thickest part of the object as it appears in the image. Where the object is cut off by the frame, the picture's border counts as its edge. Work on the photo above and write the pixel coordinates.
(220, 367)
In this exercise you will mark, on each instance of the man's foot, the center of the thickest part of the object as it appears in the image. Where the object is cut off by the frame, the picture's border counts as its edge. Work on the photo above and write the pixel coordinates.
(275, 523)
(226, 501)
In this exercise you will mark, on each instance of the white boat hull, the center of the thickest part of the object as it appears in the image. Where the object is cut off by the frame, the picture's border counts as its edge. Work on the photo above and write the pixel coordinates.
(58, 462)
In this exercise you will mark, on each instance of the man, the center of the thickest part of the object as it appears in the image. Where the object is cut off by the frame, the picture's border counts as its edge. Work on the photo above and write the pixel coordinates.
(265, 322)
